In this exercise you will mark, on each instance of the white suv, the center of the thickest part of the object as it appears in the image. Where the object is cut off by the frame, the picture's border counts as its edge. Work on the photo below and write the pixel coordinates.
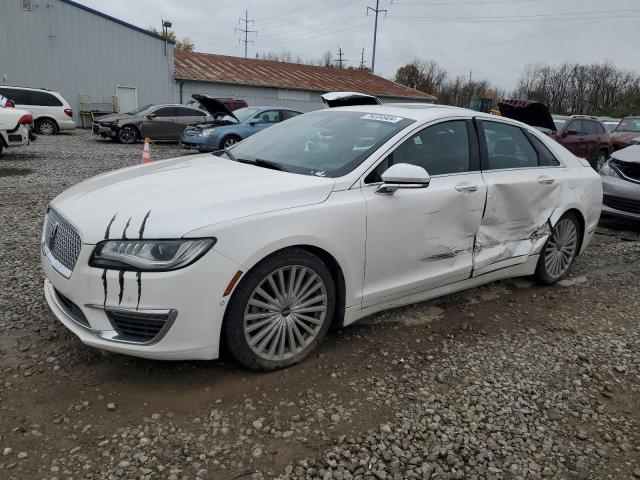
(51, 112)
(15, 126)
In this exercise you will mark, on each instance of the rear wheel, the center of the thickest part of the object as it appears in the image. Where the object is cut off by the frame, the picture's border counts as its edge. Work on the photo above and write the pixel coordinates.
(127, 134)
(46, 126)
(560, 250)
(280, 311)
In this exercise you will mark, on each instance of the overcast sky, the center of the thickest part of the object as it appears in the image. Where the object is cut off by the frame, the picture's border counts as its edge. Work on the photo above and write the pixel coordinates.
(492, 38)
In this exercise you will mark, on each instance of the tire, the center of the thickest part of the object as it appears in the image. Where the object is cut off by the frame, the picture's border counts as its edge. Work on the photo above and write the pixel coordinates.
(600, 159)
(278, 333)
(1, 146)
(46, 126)
(127, 135)
(229, 141)
(559, 251)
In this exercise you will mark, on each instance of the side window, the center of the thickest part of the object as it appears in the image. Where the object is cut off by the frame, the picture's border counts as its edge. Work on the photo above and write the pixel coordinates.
(577, 127)
(187, 112)
(287, 114)
(545, 157)
(165, 112)
(44, 99)
(508, 147)
(19, 97)
(270, 116)
(590, 127)
(440, 149)
(600, 129)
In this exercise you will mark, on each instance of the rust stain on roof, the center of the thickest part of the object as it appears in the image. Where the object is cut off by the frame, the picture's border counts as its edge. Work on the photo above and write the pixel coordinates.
(208, 67)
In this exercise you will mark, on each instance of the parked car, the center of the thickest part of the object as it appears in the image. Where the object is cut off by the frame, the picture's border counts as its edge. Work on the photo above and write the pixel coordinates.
(626, 133)
(610, 126)
(231, 103)
(50, 111)
(246, 122)
(621, 183)
(262, 247)
(582, 135)
(15, 125)
(158, 122)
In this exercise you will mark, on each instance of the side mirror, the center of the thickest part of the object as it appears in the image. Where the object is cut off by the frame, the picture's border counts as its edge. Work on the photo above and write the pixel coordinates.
(403, 175)
(151, 116)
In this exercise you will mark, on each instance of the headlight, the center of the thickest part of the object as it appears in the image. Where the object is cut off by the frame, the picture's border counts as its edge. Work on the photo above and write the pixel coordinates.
(635, 140)
(206, 132)
(149, 255)
(608, 170)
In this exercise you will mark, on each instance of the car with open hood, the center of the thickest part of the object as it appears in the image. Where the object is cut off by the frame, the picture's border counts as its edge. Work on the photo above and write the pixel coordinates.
(626, 133)
(584, 136)
(317, 221)
(233, 127)
(621, 183)
(164, 122)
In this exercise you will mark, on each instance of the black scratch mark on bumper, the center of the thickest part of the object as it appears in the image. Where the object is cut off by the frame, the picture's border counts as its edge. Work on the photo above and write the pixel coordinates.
(139, 280)
(124, 232)
(121, 281)
(104, 286)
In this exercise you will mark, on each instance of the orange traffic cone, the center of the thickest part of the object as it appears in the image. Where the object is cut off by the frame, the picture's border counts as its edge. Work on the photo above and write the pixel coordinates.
(146, 152)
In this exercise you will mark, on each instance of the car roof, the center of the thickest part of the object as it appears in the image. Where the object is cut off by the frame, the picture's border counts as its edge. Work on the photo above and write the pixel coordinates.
(31, 88)
(420, 112)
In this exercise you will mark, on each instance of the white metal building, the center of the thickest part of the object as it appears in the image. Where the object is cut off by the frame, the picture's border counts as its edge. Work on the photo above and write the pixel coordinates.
(67, 47)
(265, 82)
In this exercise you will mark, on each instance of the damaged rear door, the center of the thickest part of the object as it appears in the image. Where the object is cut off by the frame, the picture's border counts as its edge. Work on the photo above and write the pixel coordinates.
(524, 184)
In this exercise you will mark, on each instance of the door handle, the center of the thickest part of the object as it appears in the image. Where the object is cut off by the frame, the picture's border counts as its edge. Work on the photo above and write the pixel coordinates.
(466, 188)
(545, 180)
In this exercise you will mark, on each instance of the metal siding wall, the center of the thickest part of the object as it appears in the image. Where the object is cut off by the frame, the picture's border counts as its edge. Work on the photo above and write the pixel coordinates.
(89, 55)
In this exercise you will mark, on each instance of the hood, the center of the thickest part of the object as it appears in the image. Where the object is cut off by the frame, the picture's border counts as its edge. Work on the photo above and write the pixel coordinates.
(182, 195)
(345, 99)
(624, 136)
(628, 155)
(534, 114)
(214, 106)
(113, 118)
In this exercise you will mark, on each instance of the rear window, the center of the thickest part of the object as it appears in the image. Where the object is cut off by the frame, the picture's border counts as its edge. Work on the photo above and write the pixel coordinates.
(44, 99)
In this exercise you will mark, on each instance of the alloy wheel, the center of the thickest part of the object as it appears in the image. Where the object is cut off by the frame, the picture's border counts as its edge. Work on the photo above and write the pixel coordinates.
(46, 128)
(229, 142)
(561, 248)
(127, 135)
(285, 312)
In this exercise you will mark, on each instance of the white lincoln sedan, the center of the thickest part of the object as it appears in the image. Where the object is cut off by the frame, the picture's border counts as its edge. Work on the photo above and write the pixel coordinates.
(317, 221)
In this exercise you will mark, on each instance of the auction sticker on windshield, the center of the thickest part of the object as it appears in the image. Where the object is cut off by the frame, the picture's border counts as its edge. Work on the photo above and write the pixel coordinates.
(381, 118)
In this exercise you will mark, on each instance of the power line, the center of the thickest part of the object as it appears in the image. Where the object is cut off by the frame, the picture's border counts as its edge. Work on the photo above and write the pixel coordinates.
(331, 31)
(340, 60)
(376, 10)
(246, 31)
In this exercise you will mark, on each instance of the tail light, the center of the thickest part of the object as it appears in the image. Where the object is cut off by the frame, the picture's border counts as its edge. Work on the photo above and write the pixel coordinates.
(10, 104)
(25, 119)
(69, 112)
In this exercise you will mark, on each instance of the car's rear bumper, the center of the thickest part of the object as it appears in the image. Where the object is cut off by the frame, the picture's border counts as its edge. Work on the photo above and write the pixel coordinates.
(66, 124)
(621, 198)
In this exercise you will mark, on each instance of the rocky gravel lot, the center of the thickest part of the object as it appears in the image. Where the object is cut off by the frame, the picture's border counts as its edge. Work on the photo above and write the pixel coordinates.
(507, 381)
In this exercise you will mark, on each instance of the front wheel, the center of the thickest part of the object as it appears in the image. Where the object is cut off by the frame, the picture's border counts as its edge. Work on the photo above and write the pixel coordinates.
(560, 250)
(229, 141)
(127, 134)
(280, 311)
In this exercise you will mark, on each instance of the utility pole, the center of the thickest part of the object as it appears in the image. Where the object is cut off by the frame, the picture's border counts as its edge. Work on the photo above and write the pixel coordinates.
(246, 31)
(340, 60)
(362, 66)
(376, 10)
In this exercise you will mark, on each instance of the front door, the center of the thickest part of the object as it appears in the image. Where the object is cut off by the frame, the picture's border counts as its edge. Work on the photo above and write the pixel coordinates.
(263, 120)
(524, 182)
(575, 140)
(418, 239)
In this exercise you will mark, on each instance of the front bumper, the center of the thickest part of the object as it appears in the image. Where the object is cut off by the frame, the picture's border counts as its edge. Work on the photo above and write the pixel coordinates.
(103, 130)
(196, 142)
(621, 198)
(191, 298)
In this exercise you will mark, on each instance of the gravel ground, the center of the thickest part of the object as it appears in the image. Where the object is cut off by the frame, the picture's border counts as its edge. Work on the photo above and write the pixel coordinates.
(507, 381)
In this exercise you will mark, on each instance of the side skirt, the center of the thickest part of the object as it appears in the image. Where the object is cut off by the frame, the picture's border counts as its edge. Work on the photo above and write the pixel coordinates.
(523, 269)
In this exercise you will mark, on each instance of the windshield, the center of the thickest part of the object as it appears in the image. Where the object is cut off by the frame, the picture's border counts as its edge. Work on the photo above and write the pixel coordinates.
(325, 143)
(139, 110)
(628, 125)
(559, 124)
(243, 113)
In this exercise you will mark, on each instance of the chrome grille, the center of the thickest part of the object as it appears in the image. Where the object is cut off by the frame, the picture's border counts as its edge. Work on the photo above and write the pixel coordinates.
(62, 242)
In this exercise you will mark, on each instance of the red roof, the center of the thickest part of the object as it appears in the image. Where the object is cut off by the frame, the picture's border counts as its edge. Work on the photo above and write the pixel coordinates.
(209, 67)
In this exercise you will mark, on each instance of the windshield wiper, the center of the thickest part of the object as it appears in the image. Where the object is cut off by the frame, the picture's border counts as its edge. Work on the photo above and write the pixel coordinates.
(255, 161)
